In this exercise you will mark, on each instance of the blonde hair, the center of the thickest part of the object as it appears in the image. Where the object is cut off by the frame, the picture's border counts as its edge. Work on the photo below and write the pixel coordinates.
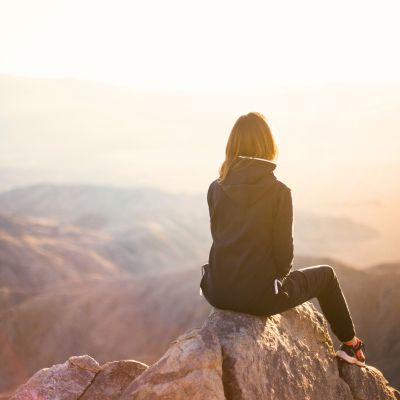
(250, 136)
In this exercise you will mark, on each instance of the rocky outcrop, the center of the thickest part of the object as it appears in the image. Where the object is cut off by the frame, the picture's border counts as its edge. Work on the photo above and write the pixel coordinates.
(68, 380)
(367, 383)
(81, 377)
(231, 356)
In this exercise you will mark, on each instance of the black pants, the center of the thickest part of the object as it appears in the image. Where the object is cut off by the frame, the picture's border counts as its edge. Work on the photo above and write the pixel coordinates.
(319, 281)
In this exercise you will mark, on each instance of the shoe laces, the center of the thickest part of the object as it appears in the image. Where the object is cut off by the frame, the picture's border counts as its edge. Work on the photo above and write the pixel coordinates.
(358, 349)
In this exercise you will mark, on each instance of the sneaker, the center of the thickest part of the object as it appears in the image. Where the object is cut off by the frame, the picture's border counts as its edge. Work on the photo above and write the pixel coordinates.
(352, 354)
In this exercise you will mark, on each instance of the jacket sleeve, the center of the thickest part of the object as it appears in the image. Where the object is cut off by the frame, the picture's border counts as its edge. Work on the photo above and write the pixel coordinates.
(283, 247)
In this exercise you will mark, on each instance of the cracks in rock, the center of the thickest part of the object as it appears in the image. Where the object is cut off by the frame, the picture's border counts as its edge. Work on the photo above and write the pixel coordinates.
(225, 375)
(341, 376)
(90, 384)
(230, 385)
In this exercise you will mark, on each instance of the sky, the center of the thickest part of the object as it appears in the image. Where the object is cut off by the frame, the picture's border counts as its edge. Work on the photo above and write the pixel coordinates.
(325, 73)
(215, 45)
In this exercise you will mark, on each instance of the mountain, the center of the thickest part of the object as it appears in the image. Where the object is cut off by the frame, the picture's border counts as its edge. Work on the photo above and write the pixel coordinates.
(120, 317)
(38, 252)
(231, 356)
(148, 226)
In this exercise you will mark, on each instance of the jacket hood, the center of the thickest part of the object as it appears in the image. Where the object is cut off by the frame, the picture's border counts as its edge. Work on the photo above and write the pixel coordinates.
(248, 180)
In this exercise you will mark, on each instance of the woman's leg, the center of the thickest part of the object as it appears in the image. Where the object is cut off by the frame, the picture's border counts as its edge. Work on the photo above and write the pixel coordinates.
(320, 281)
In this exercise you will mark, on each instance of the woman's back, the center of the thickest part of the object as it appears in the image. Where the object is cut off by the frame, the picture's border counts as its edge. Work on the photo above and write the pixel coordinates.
(250, 212)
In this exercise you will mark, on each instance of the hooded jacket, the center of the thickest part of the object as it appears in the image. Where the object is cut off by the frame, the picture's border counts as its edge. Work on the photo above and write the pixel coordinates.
(251, 221)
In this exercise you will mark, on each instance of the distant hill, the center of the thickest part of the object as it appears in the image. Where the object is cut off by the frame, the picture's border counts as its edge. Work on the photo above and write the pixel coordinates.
(140, 230)
(38, 252)
(107, 318)
(148, 226)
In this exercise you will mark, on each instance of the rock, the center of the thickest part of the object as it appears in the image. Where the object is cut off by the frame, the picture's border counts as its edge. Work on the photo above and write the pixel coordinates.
(232, 356)
(85, 362)
(81, 377)
(112, 379)
(286, 356)
(61, 381)
(366, 382)
(190, 369)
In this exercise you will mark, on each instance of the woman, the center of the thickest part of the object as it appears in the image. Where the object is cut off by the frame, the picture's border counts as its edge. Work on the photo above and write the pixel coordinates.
(251, 220)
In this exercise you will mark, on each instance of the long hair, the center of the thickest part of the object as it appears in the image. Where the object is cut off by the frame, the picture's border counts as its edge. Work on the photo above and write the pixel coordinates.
(250, 136)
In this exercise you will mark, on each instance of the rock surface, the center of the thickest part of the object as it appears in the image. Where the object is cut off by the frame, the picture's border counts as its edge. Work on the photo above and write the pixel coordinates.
(366, 381)
(231, 356)
(291, 356)
(112, 380)
(61, 381)
(191, 368)
(80, 377)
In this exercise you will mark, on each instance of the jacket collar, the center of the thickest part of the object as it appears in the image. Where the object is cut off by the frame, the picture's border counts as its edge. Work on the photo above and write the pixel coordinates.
(248, 179)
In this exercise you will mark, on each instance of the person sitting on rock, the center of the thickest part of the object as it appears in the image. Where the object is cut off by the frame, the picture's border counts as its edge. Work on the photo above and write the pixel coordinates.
(251, 221)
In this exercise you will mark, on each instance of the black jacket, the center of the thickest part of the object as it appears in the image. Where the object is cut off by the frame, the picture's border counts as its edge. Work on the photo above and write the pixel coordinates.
(251, 221)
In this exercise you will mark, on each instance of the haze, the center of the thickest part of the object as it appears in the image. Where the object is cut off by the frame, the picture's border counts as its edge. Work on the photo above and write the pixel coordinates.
(130, 93)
